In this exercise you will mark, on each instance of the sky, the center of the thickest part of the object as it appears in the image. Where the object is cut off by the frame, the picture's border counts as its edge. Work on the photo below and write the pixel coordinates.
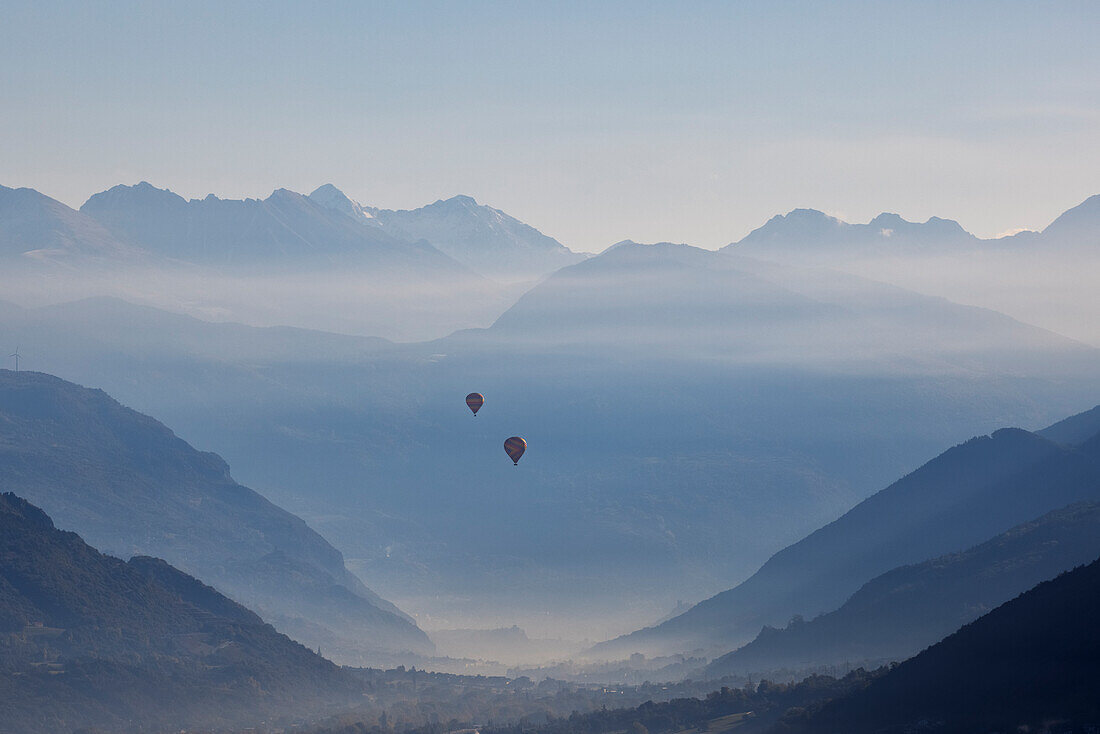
(593, 121)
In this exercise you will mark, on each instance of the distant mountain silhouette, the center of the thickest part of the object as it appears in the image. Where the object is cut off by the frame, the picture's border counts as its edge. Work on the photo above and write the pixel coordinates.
(36, 228)
(897, 614)
(286, 259)
(1079, 226)
(90, 640)
(285, 230)
(964, 496)
(331, 197)
(488, 240)
(1031, 663)
(1046, 278)
(130, 486)
(815, 233)
(812, 236)
(692, 303)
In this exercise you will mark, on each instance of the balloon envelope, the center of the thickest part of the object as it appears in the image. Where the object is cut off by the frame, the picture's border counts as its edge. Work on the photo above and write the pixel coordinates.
(514, 447)
(475, 400)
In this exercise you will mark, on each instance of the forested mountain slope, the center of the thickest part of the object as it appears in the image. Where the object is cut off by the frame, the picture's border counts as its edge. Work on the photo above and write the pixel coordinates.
(1032, 662)
(89, 640)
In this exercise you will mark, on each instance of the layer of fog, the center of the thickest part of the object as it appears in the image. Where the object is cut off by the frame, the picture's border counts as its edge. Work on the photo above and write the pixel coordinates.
(390, 306)
(1057, 293)
(688, 414)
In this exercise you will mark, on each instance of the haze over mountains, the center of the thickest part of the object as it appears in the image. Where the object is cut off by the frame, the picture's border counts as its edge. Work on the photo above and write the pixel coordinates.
(1046, 278)
(285, 230)
(621, 494)
(963, 497)
(422, 273)
(896, 615)
(486, 239)
(683, 404)
(317, 261)
(131, 487)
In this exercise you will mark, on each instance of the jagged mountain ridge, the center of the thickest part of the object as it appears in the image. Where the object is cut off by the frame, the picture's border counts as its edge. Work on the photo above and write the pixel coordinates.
(488, 240)
(130, 486)
(813, 231)
(1047, 277)
(283, 260)
(285, 229)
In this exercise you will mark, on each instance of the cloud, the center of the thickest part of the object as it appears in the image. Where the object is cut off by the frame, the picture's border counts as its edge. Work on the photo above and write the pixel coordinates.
(1010, 232)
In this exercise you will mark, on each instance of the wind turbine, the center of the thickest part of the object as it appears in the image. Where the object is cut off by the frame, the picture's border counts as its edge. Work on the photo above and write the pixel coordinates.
(16, 355)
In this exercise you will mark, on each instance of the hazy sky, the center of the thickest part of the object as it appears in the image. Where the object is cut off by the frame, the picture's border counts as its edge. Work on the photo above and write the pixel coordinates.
(595, 122)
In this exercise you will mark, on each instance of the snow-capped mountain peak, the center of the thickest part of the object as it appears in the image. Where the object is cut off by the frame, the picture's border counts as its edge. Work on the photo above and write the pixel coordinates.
(331, 197)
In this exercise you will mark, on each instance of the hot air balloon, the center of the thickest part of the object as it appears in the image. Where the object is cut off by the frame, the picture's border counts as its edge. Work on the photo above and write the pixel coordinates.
(514, 447)
(474, 401)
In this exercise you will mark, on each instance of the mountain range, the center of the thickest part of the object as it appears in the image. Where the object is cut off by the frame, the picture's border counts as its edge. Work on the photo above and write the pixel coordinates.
(285, 230)
(963, 497)
(896, 615)
(318, 261)
(815, 236)
(127, 484)
(1045, 278)
(89, 640)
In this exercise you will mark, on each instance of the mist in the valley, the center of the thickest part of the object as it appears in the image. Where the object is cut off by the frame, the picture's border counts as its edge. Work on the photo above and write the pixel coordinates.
(1048, 290)
(665, 393)
(384, 305)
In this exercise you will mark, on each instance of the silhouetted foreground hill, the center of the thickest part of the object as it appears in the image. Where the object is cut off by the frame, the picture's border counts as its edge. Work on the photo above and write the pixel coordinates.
(89, 640)
(129, 486)
(1032, 662)
(965, 496)
(897, 614)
